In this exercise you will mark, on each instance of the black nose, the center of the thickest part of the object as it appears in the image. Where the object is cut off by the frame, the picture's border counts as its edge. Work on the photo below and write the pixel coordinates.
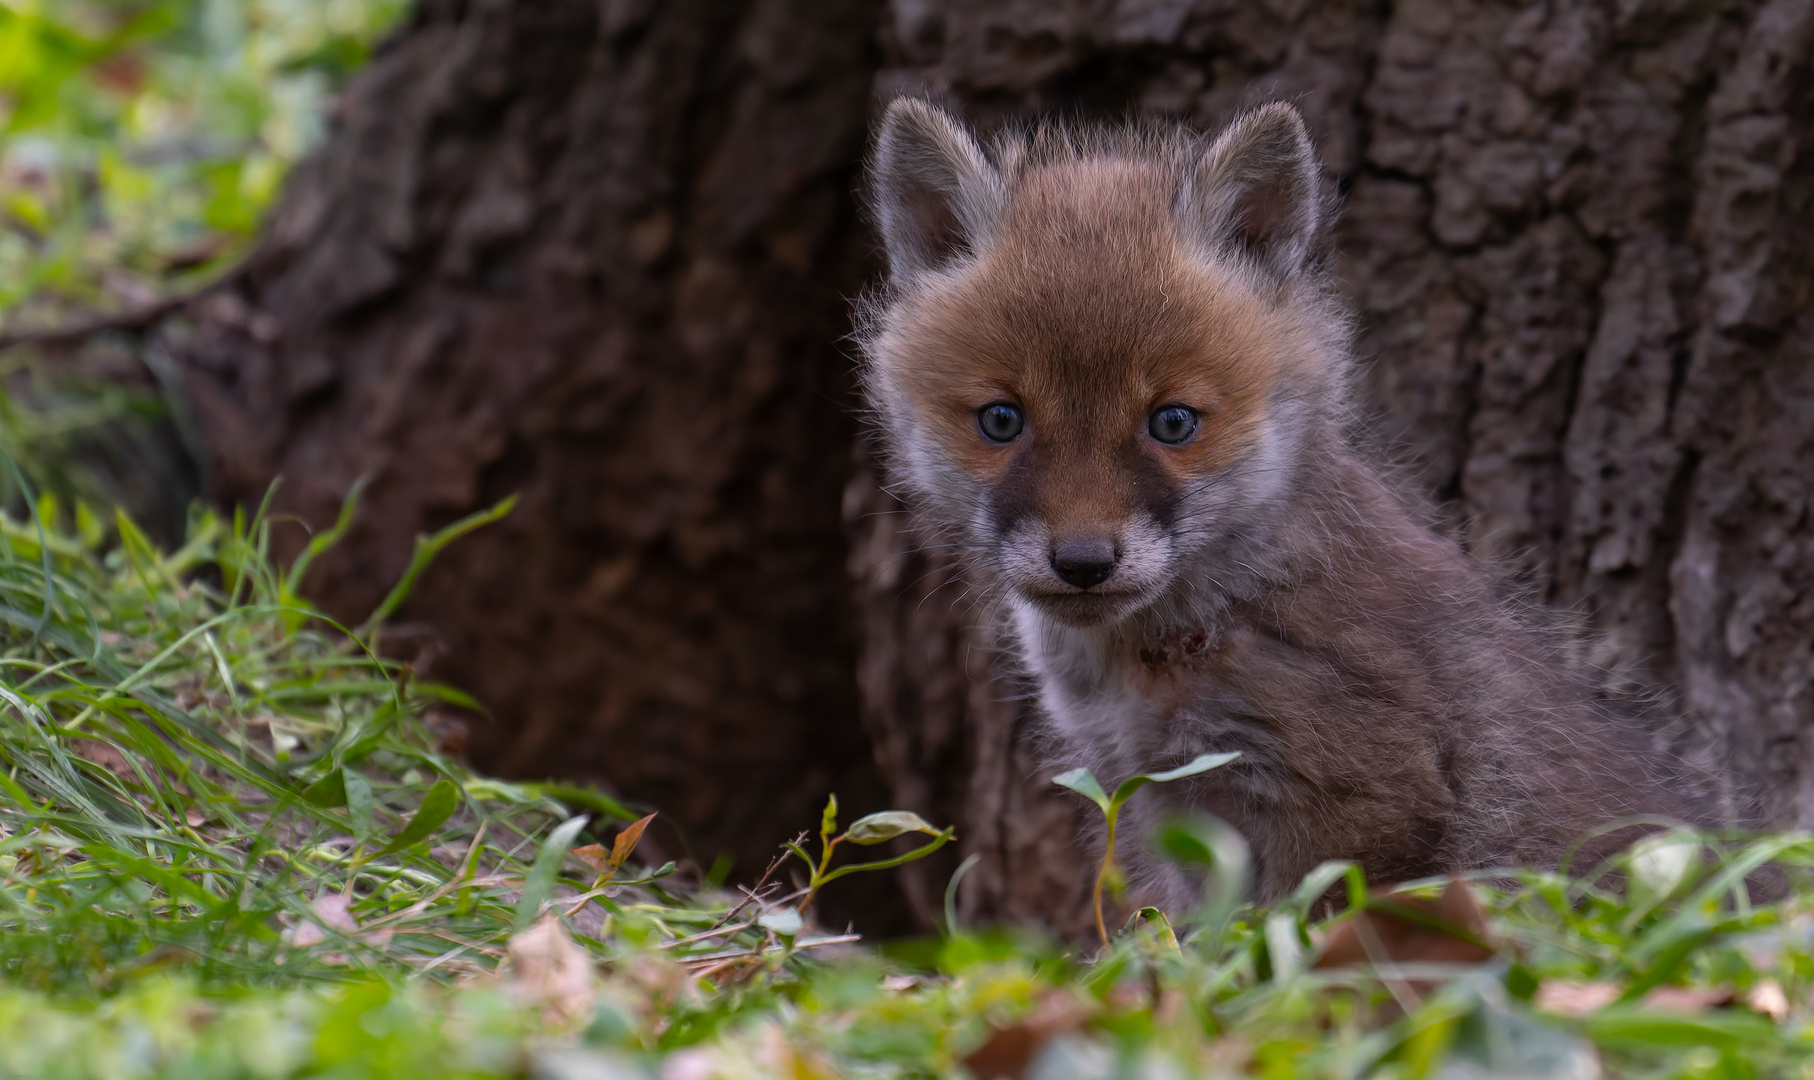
(1084, 563)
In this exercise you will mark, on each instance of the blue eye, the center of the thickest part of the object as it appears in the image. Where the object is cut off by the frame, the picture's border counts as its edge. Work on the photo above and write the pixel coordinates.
(1173, 424)
(999, 422)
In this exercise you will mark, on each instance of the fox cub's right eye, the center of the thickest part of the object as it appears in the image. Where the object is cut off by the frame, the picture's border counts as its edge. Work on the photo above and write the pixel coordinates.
(1000, 423)
(1173, 424)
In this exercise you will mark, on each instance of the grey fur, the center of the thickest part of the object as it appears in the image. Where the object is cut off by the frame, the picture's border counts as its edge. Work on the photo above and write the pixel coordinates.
(1391, 705)
(1255, 192)
(926, 166)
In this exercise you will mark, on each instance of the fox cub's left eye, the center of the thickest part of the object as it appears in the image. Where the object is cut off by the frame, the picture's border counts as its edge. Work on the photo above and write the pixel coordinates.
(1000, 422)
(1173, 424)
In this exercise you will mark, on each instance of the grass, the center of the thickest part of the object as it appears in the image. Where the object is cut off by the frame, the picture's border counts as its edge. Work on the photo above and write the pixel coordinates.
(192, 766)
(231, 846)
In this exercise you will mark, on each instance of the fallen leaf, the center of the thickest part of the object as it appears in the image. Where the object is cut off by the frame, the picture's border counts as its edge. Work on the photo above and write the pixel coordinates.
(450, 732)
(1562, 997)
(332, 911)
(694, 1063)
(1006, 1053)
(1403, 928)
(577, 1063)
(1686, 999)
(1767, 999)
(106, 755)
(779, 1056)
(1008, 1050)
(548, 968)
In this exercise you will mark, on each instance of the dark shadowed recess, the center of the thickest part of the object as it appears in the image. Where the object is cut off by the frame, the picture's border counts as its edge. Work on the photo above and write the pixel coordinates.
(596, 255)
(599, 254)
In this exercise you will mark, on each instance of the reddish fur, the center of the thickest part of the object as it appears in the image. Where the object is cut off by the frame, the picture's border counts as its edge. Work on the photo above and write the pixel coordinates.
(1145, 326)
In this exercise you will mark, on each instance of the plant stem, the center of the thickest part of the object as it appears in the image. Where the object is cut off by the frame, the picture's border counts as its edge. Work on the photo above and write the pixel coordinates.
(1102, 873)
(818, 876)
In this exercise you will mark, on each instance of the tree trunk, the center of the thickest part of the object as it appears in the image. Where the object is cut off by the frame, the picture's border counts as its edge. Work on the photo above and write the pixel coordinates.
(596, 253)
(593, 254)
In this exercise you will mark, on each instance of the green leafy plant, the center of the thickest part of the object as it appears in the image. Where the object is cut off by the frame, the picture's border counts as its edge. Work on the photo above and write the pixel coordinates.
(1084, 782)
(143, 142)
(869, 830)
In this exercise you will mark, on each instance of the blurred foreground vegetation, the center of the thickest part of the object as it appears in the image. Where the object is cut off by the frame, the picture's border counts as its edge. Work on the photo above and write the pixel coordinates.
(235, 842)
(142, 140)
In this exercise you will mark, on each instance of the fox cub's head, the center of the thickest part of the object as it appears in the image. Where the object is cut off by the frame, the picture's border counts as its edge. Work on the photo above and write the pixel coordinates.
(1099, 356)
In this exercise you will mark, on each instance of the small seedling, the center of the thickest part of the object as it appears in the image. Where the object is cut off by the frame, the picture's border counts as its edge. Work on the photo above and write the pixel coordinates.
(1084, 782)
(871, 829)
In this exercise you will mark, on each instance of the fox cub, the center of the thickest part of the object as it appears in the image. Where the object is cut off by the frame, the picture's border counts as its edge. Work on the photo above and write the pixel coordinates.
(1112, 370)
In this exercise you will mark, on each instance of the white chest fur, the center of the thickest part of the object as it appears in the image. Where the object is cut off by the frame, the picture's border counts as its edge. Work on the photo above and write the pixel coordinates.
(1090, 695)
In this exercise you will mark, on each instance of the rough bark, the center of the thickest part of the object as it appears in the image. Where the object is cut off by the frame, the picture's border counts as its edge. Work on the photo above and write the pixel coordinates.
(597, 253)
(593, 254)
(1576, 235)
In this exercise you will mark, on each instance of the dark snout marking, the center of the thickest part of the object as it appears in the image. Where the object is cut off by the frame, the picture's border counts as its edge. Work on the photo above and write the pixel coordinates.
(1014, 497)
(1084, 563)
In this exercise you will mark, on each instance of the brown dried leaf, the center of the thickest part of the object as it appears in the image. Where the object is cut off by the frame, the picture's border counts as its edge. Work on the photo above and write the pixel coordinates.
(106, 755)
(627, 840)
(451, 733)
(305, 935)
(332, 910)
(1562, 997)
(1687, 999)
(1006, 1054)
(548, 968)
(1008, 1051)
(595, 856)
(1767, 999)
(780, 1056)
(335, 910)
(1404, 928)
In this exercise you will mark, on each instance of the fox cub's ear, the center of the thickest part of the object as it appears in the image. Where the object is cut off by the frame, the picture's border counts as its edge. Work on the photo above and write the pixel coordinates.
(1255, 192)
(936, 195)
